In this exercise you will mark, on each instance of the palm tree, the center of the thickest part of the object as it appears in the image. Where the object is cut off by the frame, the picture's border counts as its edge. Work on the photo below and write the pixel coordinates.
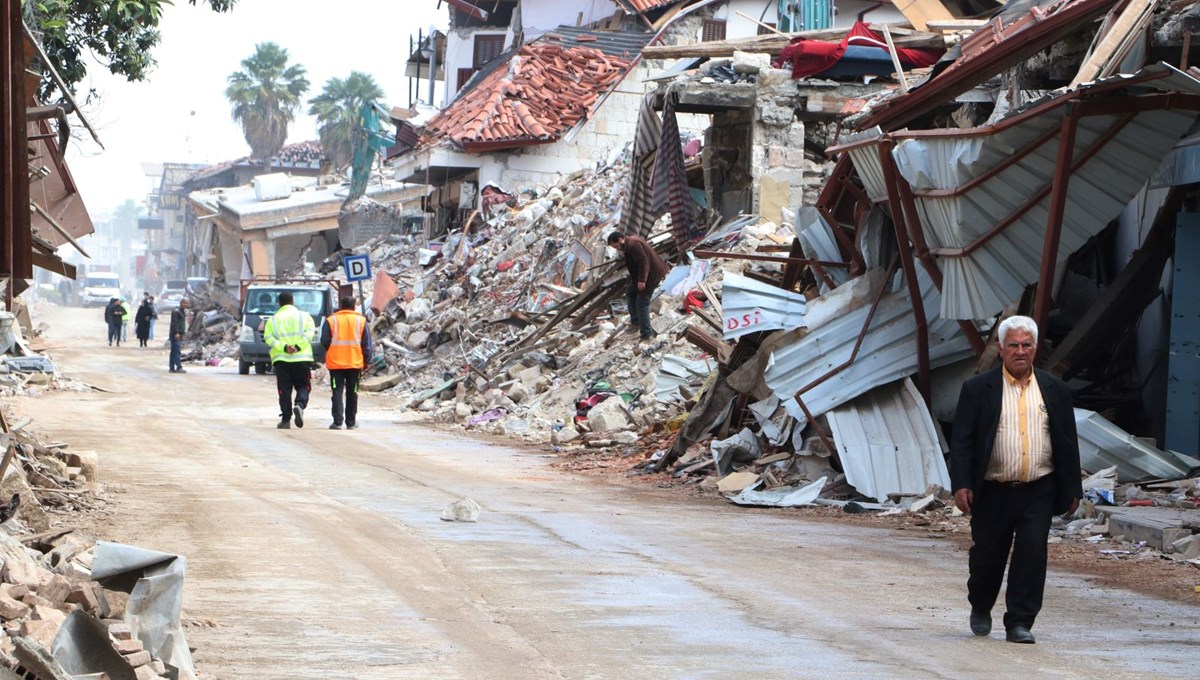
(337, 109)
(265, 95)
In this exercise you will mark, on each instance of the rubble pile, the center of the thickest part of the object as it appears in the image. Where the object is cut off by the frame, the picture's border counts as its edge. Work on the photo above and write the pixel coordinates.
(59, 620)
(447, 344)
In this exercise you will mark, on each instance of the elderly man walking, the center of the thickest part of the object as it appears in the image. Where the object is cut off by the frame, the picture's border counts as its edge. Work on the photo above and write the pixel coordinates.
(1014, 457)
(646, 271)
(347, 342)
(289, 334)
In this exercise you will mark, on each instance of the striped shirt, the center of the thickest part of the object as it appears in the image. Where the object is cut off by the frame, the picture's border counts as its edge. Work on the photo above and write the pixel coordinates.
(1021, 452)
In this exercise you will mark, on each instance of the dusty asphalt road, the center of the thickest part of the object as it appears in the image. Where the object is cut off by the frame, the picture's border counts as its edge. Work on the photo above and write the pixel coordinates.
(320, 554)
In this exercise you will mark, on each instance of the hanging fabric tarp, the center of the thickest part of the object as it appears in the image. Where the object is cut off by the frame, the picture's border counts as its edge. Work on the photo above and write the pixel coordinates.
(669, 181)
(637, 218)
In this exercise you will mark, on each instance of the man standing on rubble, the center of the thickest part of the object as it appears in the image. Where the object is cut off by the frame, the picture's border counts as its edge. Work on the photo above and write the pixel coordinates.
(347, 342)
(179, 319)
(1014, 464)
(646, 271)
(289, 334)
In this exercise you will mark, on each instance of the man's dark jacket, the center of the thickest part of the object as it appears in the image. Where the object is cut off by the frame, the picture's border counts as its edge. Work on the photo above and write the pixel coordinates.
(644, 265)
(974, 434)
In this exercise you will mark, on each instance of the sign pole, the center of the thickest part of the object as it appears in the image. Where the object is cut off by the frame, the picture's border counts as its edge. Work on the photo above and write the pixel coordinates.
(362, 300)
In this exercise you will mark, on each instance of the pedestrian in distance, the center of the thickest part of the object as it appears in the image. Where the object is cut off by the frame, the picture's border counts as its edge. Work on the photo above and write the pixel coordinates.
(126, 317)
(142, 321)
(179, 324)
(290, 333)
(1014, 464)
(646, 271)
(346, 338)
(153, 314)
(112, 317)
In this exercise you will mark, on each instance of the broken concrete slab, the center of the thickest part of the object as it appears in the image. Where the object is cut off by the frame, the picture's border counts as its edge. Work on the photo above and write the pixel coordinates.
(609, 415)
(737, 481)
(1159, 531)
(379, 383)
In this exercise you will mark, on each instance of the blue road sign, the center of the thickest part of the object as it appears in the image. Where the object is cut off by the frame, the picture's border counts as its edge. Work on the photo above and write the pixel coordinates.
(358, 267)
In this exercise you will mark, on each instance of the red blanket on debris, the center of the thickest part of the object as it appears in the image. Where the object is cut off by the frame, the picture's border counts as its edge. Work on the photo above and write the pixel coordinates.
(810, 57)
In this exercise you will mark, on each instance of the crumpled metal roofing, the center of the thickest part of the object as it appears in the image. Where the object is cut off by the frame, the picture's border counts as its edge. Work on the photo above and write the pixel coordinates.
(749, 306)
(541, 92)
(676, 372)
(888, 443)
(981, 284)
(888, 352)
(1102, 444)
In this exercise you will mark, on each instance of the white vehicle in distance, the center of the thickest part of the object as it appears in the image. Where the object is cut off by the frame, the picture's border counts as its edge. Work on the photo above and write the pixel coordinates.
(99, 288)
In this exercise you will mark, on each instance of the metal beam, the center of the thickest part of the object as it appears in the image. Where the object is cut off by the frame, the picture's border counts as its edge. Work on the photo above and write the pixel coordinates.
(1058, 204)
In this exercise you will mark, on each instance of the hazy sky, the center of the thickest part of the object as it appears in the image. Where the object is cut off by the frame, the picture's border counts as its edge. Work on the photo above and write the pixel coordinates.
(180, 114)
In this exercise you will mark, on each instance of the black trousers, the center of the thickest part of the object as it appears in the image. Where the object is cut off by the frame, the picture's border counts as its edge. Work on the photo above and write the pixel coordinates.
(638, 302)
(291, 375)
(1005, 518)
(345, 381)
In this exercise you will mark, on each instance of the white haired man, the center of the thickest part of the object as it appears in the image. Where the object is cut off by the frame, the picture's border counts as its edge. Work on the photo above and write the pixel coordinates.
(1014, 464)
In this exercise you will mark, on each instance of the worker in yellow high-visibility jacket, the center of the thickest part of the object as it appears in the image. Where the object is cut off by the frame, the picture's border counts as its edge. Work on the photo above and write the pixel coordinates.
(289, 334)
(347, 342)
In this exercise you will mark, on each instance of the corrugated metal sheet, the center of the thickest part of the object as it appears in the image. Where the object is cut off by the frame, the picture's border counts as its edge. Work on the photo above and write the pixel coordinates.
(1103, 444)
(749, 305)
(819, 243)
(623, 44)
(888, 352)
(676, 372)
(888, 443)
(992, 277)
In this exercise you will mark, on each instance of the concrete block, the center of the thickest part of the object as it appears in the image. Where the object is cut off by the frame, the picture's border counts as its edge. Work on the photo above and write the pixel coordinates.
(139, 658)
(14, 590)
(609, 415)
(128, 646)
(24, 572)
(55, 590)
(120, 631)
(11, 609)
(43, 613)
(1159, 534)
(146, 672)
(35, 600)
(41, 632)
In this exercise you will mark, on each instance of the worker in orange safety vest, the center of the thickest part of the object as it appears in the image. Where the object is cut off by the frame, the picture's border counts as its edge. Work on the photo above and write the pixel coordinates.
(347, 342)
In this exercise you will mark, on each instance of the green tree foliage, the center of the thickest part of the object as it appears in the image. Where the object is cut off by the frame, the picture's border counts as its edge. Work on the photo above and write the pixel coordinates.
(120, 34)
(337, 109)
(265, 95)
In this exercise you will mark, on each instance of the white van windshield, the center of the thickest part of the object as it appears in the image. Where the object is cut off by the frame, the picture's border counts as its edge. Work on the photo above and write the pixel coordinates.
(98, 281)
(266, 301)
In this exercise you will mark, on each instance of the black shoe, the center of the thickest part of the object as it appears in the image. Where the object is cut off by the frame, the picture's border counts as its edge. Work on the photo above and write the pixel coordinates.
(283, 425)
(335, 426)
(981, 622)
(298, 415)
(1020, 635)
(351, 426)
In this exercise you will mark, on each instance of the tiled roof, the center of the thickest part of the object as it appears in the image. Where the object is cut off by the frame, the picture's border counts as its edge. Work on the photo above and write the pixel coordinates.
(541, 92)
(647, 5)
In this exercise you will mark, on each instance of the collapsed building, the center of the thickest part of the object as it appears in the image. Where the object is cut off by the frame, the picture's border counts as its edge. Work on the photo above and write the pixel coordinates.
(854, 244)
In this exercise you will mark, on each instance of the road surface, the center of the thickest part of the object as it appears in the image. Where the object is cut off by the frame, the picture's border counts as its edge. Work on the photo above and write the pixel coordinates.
(321, 554)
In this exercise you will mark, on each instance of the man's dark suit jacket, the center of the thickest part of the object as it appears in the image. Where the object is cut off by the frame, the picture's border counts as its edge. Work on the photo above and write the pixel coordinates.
(974, 434)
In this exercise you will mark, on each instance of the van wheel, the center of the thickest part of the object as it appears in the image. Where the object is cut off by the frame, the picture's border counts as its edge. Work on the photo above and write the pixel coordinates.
(243, 367)
(260, 368)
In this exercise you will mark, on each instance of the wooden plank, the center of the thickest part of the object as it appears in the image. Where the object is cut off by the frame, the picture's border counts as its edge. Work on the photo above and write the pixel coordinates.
(887, 36)
(920, 12)
(1110, 46)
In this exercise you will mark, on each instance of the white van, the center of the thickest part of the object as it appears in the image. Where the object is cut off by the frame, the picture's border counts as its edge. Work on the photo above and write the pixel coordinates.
(99, 288)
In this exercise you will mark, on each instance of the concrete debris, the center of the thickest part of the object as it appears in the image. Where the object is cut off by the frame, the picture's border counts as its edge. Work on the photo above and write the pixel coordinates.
(58, 614)
(462, 510)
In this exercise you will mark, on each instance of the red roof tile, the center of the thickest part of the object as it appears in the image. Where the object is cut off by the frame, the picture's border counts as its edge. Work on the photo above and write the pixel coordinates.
(538, 95)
